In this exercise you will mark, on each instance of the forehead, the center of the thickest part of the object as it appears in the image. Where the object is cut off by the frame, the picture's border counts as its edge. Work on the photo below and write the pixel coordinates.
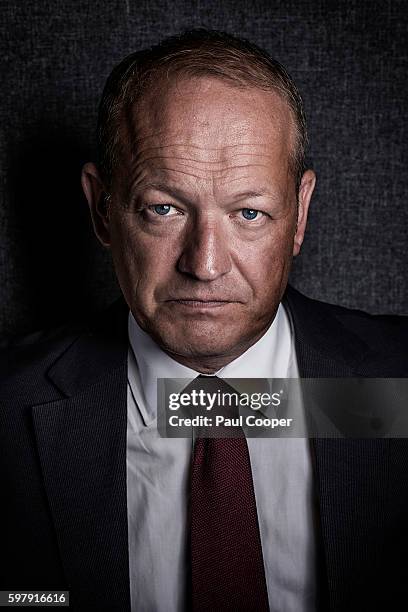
(211, 124)
(206, 108)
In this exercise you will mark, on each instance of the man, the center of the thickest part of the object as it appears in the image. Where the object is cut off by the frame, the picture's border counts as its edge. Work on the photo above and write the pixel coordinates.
(201, 195)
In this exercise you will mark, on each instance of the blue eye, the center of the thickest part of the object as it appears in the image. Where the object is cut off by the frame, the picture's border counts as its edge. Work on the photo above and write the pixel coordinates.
(249, 213)
(162, 209)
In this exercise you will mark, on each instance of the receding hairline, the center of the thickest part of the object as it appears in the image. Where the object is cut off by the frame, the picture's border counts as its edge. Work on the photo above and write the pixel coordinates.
(132, 113)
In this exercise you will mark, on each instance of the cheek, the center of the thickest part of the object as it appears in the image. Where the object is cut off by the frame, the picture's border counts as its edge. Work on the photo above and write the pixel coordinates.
(142, 262)
(265, 263)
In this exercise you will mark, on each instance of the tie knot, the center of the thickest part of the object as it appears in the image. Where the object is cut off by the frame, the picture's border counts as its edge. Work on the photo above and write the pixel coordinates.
(219, 402)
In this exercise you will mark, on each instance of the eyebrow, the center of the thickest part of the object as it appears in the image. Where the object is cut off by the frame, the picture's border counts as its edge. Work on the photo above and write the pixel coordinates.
(261, 193)
(164, 188)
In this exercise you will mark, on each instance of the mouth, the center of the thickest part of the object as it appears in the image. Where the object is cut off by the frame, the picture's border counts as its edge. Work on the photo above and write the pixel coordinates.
(200, 304)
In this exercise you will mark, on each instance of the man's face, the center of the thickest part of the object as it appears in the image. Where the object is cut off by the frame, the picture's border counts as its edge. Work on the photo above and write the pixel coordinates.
(203, 216)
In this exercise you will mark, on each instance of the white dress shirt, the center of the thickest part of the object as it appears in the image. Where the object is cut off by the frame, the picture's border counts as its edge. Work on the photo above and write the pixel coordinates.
(158, 483)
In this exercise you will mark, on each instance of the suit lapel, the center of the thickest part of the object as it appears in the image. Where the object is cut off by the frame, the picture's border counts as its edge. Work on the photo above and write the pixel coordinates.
(351, 475)
(82, 449)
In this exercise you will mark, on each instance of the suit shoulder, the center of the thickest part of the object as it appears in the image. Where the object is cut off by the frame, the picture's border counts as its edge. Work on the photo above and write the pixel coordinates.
(386, 333)
(374, 329)
(25, 359)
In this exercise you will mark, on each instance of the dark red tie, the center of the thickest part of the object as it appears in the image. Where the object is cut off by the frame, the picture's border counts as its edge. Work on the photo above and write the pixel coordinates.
(226, 553)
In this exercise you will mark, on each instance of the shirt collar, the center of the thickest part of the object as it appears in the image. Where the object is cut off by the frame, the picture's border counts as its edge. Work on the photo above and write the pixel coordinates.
(269, 357)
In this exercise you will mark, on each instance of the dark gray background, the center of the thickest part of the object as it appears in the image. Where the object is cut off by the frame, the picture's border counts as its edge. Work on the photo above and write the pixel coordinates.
(350, 62)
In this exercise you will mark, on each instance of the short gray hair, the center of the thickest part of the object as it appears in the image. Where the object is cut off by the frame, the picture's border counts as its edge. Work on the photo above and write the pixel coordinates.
(193, 53)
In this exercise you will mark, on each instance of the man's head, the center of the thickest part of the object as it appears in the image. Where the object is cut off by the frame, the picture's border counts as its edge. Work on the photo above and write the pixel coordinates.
(200, 191)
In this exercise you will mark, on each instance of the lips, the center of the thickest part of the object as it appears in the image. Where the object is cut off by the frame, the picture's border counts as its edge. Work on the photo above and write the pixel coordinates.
(203, 303)
(200, 300)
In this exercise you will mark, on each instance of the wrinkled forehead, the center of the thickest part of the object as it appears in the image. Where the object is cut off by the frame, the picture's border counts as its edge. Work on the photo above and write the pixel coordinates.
(209, 116)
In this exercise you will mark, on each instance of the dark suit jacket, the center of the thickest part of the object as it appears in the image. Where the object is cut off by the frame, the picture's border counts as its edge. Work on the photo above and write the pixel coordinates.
(63, 467)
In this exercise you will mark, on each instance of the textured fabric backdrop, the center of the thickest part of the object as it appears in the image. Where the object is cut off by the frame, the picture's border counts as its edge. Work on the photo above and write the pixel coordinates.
(350, 62)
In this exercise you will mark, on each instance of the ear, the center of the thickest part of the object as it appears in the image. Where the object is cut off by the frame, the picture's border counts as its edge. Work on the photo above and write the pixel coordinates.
(97, 202)
(306, 188)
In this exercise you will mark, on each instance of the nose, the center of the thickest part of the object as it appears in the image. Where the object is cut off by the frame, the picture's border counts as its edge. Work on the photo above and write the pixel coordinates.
(205, 255)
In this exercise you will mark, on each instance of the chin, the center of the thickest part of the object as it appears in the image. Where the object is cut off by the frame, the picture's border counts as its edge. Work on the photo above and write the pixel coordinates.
(205, 340)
